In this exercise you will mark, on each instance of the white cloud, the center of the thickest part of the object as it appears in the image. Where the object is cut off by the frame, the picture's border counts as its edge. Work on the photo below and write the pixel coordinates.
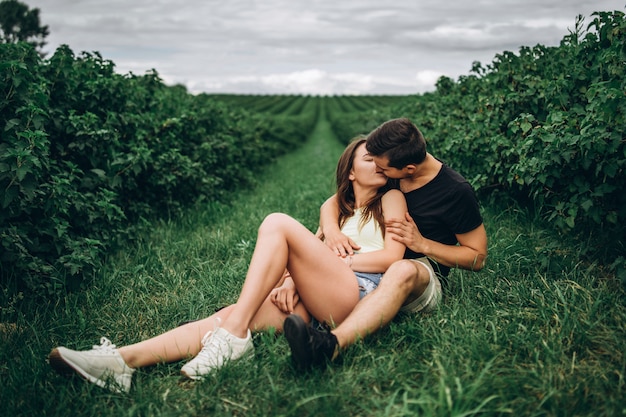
(312, 81)
(314, 47)
(426, 80)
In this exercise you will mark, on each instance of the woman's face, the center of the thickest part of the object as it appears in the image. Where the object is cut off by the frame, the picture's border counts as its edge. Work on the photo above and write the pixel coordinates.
(364, 171)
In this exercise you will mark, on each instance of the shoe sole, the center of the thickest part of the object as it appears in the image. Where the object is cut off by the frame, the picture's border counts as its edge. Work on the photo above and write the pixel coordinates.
(192, 377)
(297, 336)
(66, 367)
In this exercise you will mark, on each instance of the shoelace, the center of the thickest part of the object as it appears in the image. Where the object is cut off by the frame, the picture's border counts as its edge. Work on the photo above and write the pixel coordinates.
(205, 338)
(322, 339)
(211, 348)
(105, 346)
(208, 342)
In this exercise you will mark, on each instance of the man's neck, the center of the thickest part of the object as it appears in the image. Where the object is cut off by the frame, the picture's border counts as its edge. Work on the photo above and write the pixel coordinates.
(426, 172)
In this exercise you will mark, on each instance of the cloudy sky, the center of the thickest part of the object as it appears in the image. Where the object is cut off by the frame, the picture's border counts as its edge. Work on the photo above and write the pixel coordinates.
(308, 47)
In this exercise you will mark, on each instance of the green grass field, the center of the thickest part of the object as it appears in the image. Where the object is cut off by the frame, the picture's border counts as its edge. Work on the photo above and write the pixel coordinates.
(538, 332)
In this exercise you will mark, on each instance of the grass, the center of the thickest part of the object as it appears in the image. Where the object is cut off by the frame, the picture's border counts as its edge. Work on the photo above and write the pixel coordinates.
(537, 333)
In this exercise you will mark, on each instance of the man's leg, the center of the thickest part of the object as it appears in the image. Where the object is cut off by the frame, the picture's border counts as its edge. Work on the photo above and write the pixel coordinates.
(404, 280)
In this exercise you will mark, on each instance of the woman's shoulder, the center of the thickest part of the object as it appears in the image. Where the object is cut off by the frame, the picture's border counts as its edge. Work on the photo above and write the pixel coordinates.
(394, 197)
(393, 193)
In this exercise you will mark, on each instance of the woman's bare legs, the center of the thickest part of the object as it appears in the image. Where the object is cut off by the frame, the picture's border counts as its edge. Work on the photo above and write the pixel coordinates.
(184, 341)
(326, 285)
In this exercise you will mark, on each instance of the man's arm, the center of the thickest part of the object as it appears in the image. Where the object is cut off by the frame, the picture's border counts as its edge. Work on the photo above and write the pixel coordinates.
(474, 246)
(470, 253)
(338, 242)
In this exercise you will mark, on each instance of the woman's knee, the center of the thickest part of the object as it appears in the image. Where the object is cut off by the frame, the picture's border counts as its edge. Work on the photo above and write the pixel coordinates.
(275, 221)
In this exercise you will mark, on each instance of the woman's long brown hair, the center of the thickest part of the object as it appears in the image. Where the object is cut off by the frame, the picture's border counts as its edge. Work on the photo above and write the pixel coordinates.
(345, 192)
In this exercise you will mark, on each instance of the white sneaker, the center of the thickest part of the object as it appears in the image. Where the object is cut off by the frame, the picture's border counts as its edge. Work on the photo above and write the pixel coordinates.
(103, 365)
(219, 347)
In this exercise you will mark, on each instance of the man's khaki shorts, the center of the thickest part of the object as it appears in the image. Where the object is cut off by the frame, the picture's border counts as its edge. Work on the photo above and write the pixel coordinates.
(431, 297)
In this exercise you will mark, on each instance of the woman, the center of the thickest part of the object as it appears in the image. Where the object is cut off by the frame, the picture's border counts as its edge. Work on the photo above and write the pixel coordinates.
(318, 283)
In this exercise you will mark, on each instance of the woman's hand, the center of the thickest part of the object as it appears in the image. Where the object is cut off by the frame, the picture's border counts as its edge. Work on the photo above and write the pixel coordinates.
(341, 244)
(286, 296)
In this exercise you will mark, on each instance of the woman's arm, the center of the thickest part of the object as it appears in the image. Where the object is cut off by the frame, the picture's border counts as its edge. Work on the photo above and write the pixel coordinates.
(394, 204)
(339, 243)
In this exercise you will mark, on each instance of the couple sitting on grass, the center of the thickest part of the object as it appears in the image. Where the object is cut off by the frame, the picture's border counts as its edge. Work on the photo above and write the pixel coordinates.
(326, 293)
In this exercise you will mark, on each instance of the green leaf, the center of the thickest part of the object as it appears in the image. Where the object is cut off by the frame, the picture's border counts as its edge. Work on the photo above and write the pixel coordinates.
(9, 195)
(22, 171)
(11, 124)
(99, 172)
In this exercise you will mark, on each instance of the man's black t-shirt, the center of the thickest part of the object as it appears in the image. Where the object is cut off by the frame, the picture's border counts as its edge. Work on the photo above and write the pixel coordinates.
(442, 208)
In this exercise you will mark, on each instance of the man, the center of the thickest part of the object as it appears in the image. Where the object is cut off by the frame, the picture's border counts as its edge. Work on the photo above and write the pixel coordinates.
(443, 229)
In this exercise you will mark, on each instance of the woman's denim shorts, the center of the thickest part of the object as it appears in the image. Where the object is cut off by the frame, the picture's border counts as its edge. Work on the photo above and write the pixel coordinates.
(367, 282)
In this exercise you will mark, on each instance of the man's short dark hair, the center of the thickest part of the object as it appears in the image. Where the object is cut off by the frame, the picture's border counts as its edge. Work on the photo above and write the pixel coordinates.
(400, 141)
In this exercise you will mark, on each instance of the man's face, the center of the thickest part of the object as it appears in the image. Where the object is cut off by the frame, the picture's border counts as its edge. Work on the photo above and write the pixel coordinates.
(382, 165)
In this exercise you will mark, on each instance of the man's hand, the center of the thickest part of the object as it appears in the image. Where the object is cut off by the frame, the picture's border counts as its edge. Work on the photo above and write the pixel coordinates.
(470, 253)
(341, 244)
(406, 232)
(286, 296)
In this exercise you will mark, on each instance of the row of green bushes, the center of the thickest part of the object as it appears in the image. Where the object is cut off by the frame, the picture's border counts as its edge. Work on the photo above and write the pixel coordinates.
(88, 155)
(546, 126)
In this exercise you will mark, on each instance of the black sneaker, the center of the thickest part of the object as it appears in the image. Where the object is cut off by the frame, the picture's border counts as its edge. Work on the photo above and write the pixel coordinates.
(309, 347)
